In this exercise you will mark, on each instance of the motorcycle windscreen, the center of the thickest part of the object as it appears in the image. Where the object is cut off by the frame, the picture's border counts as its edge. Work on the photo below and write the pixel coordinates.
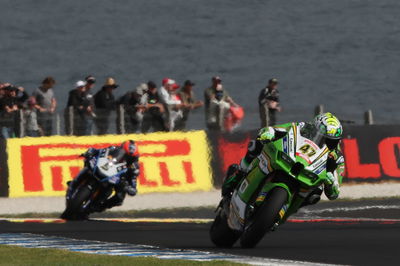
(310, 132)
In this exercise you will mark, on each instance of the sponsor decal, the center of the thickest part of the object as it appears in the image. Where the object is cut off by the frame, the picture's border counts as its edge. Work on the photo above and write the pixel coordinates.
(387, 165)
(243, 186)
(285, 144)
(265, 164)
(282, 212)
(371, 153)
(261, 196)
(320, 169)
(169, 162)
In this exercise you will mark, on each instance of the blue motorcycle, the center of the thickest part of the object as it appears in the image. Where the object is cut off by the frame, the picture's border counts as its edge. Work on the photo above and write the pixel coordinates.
(101, 174)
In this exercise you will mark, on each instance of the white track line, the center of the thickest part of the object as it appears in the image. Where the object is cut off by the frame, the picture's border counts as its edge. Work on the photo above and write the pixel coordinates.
(120, 249)
(349, 209)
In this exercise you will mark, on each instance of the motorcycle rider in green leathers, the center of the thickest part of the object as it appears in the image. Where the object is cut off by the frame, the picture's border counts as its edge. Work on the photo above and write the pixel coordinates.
(325, 129)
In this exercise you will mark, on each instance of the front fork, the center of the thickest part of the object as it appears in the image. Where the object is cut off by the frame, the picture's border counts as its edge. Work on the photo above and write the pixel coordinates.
(77, 182)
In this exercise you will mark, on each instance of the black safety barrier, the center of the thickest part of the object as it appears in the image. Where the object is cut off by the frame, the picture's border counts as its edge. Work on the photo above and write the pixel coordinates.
(372, 153)
(3, 169)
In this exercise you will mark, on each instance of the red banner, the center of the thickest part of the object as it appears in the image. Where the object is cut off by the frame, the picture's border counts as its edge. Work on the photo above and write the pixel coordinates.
(372, 153)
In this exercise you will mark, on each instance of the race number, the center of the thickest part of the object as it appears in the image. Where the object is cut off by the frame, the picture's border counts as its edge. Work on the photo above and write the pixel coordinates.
(307, 150)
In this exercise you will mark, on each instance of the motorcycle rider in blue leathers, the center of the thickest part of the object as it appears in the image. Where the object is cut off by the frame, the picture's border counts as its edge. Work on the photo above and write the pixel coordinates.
(127, 152)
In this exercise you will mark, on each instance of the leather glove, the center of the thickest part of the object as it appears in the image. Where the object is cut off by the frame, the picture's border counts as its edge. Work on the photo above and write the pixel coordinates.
(88, 153)
(330, 178)
(266, 134)
(332, 188)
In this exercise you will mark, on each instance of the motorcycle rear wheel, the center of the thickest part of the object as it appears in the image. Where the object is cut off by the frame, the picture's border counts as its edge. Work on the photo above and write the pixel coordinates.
(264, 219)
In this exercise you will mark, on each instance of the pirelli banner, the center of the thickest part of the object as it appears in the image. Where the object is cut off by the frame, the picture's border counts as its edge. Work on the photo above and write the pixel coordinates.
(372, 153)
(169, 162)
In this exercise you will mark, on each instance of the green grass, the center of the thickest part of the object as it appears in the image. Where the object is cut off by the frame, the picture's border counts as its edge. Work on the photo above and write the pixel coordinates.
(10, 255)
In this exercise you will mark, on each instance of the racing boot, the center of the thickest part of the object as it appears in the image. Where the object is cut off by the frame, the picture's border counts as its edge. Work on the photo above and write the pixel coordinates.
(313, 198)
(115, 200)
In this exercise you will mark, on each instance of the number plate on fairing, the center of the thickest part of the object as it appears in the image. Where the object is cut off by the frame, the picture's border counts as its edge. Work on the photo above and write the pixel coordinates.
(306, 149)
(107, 167)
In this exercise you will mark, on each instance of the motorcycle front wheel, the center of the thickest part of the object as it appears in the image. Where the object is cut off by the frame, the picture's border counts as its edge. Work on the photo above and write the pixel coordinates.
(264, 219)
(74, 209)
(220, 232)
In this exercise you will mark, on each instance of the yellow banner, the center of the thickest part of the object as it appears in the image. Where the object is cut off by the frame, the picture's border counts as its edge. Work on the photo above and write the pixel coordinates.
(169, 162)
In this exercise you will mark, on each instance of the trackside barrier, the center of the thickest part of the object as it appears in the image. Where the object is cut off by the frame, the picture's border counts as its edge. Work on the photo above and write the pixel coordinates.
(178, 162)
(372, 153)
(3, 169)
(170, 162)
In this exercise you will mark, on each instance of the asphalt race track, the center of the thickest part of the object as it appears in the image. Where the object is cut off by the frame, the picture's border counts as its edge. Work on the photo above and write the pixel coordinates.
(328, 240)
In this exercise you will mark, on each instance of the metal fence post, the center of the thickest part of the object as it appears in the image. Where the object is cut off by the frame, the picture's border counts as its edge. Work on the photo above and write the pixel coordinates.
(319, 109)
(169, 117)
(70, 120)
(121, 119)
(266, 110)
(368, 118)
(58, 124)
(21, 123)
(221, 115)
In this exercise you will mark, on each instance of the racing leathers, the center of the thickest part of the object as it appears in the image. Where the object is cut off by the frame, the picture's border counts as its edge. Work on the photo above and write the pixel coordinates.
(334, 164)
(127, 186)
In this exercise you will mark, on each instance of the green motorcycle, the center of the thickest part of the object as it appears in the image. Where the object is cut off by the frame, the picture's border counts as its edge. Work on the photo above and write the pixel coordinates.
(278, 182)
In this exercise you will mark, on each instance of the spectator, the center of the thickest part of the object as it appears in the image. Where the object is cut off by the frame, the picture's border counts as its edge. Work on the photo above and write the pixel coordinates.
(268, 101)
(10, 104)
(105, 103)
(217, 104)
(30, 116)
(21, 96)
(46, 104)
(2, 91)
(90, 116)
(154, 114)
(82, 109)
(134, 107)
(172, 103)
(163, 92)
(2, 94)
(208, 92)
(189, 101)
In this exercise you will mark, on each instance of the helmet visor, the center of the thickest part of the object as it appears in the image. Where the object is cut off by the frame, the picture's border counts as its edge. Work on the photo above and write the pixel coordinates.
(310, 132)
